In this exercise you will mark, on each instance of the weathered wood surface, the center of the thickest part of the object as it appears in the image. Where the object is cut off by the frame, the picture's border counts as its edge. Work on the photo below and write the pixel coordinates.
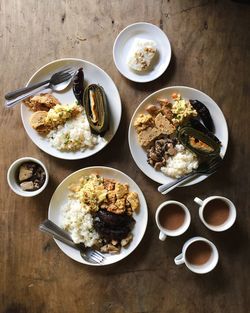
(210, 42)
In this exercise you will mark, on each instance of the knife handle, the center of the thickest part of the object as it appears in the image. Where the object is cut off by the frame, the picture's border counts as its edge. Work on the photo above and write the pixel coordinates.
(19, 92)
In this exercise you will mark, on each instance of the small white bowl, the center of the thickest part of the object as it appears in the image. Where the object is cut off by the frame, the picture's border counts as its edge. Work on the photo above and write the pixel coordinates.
(124, 42)
(11, 177)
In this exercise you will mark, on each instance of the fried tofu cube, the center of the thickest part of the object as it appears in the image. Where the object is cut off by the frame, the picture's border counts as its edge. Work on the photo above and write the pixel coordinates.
(109, 184)
(120, 203)
(111, 195)
(114, 209)
(121, 190)
(133, 199)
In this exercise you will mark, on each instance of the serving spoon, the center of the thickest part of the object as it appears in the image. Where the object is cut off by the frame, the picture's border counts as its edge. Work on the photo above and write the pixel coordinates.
(88, 254)
(58, 82)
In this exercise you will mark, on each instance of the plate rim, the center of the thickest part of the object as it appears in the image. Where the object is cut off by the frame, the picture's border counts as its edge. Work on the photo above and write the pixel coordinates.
(115, 46)
(106, 74)
(152, 94)
(105, 168)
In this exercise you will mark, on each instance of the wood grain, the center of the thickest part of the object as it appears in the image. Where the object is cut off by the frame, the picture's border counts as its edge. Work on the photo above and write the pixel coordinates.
(210, 44)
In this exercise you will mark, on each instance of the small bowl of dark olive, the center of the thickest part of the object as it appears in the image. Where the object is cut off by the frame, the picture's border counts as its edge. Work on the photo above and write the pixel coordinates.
(27, 177)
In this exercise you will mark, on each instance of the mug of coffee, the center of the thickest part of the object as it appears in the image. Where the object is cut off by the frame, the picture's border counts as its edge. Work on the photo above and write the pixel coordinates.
(172, 218)
(199, 255)
(216, 213)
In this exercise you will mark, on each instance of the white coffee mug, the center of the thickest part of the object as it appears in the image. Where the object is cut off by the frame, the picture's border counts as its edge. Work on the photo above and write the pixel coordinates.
(231, 216)
(208, 266)
(178, 231)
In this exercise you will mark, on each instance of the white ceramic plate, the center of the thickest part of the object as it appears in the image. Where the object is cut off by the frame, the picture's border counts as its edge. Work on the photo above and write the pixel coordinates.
(139, 154)
(124, 42)
(59, 198)
(92, 74)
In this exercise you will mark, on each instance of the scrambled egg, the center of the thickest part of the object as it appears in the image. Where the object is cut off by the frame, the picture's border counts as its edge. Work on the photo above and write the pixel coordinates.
(143, 121)
(182, 109)
(43, 121)
(93, 194)
(90, 191)
(59, 114)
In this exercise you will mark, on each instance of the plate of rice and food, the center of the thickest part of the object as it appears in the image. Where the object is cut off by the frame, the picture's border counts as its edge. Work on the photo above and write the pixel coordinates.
(77, 122)
(102, 208)
(173, 131)
(142, 52)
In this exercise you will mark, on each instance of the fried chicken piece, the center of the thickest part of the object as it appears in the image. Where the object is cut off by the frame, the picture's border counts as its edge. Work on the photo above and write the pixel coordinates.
(153, 109)
(42, 102)
(166, 110)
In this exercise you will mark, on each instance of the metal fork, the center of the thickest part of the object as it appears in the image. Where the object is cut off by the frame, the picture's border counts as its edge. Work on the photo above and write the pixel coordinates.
(88, 254)
(55, 79)
(207, 167)
(57, 82)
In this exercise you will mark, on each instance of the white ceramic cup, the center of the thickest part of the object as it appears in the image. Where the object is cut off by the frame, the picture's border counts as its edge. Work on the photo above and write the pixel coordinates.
(12, 181)
(231, 217)
(176, 232)
(199, 269)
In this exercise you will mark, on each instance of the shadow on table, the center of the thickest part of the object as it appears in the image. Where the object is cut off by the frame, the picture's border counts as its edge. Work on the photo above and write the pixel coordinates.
(231, 242)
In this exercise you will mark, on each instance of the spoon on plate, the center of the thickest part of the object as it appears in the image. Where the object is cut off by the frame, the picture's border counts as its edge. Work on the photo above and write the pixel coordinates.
(88, 254)
(58, 82)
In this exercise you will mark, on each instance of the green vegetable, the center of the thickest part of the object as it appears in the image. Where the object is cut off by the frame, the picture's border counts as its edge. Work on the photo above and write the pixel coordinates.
(96, 108)
(198, 142)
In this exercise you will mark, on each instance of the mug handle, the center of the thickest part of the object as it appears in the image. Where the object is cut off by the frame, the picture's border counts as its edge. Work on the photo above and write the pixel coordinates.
(179, 259)
(198, 201)
(162, 236)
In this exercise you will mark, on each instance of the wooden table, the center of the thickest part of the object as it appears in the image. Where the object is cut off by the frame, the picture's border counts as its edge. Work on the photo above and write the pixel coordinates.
(210, 44)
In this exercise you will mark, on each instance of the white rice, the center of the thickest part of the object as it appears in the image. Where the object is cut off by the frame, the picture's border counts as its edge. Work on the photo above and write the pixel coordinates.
(74, 135)
(180, 164)
(79, 223)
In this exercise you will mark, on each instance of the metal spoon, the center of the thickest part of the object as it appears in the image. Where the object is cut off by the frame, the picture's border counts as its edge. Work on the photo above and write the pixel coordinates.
(56, 84)
(88, 254)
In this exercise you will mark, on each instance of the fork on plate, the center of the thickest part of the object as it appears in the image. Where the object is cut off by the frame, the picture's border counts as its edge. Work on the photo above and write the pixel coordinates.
(207, 167)
(88, 254)
(58, 82)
